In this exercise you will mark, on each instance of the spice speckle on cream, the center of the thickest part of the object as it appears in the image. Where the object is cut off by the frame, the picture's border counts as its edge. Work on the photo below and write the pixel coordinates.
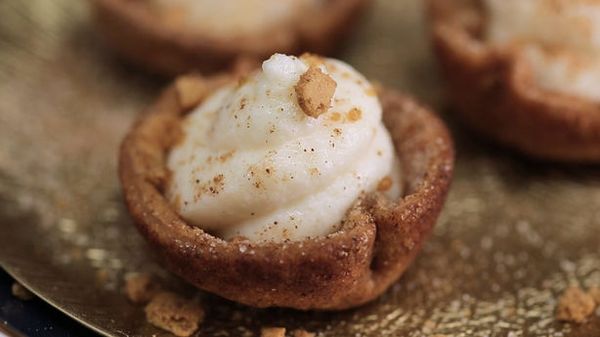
(255, 162)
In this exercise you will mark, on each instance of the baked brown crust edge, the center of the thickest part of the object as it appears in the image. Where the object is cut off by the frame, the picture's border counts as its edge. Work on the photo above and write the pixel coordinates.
(495, 93)
(345, 269)
(133, 32)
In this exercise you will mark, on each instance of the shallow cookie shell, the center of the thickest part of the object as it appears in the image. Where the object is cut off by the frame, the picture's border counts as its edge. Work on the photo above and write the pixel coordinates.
(495, 93)
(131, 29)
(377, 242)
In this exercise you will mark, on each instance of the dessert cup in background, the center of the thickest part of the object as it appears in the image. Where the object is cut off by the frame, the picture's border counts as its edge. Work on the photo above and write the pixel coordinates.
(174, 37)
(524, 73)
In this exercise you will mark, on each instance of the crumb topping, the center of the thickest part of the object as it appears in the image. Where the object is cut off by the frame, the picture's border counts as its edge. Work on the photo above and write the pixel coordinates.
(315, 90)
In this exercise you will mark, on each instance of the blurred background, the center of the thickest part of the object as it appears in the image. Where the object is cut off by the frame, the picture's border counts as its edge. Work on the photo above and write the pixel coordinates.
(514, 234)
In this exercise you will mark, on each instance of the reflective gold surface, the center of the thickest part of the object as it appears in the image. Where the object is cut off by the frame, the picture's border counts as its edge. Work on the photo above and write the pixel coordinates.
(513, 235)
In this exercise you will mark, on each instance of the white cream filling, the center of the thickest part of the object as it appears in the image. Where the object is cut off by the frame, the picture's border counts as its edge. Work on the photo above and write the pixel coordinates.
(228, 18)
(561, 38)
(253, 164)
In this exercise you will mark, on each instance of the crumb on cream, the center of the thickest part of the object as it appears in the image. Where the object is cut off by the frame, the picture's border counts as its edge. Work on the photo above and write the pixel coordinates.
(315, 90)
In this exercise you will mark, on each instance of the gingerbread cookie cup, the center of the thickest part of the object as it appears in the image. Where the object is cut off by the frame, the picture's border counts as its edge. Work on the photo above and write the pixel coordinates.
(377, 241)
(137, 33)
(495, 92)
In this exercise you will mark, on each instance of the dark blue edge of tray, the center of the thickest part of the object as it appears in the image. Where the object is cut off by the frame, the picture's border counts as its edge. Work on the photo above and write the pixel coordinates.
(33, 318)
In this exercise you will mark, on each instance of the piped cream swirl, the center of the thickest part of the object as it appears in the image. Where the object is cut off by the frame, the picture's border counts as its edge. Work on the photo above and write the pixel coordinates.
(252, 163)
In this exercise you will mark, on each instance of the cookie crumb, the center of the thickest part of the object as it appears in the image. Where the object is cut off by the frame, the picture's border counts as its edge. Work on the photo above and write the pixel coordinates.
(175, 314)
(190, 91)
(272, 332)
(21, 292)
(315, 90)
(140, 288)
(302, 333)
(575, 305)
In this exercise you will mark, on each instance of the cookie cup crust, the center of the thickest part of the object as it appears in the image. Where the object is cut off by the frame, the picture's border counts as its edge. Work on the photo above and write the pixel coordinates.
(136, 33)
(495, 92)
(377, 242)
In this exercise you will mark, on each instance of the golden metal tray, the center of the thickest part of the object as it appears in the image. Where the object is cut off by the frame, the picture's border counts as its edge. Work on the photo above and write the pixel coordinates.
(513, 235)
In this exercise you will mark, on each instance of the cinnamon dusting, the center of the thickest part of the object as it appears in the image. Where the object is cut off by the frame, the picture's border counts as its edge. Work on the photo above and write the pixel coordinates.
(336, 117)
(354, 114)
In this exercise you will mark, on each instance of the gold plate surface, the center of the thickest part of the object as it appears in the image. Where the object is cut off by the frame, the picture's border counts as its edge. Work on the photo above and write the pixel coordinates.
(513, 234)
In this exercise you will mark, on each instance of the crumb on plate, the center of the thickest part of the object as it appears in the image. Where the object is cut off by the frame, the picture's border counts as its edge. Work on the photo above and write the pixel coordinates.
(175, 314)
(21, 292)
(575, 305)
(272, 332)
(302, 333)
(140, 288)
(595, 294)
